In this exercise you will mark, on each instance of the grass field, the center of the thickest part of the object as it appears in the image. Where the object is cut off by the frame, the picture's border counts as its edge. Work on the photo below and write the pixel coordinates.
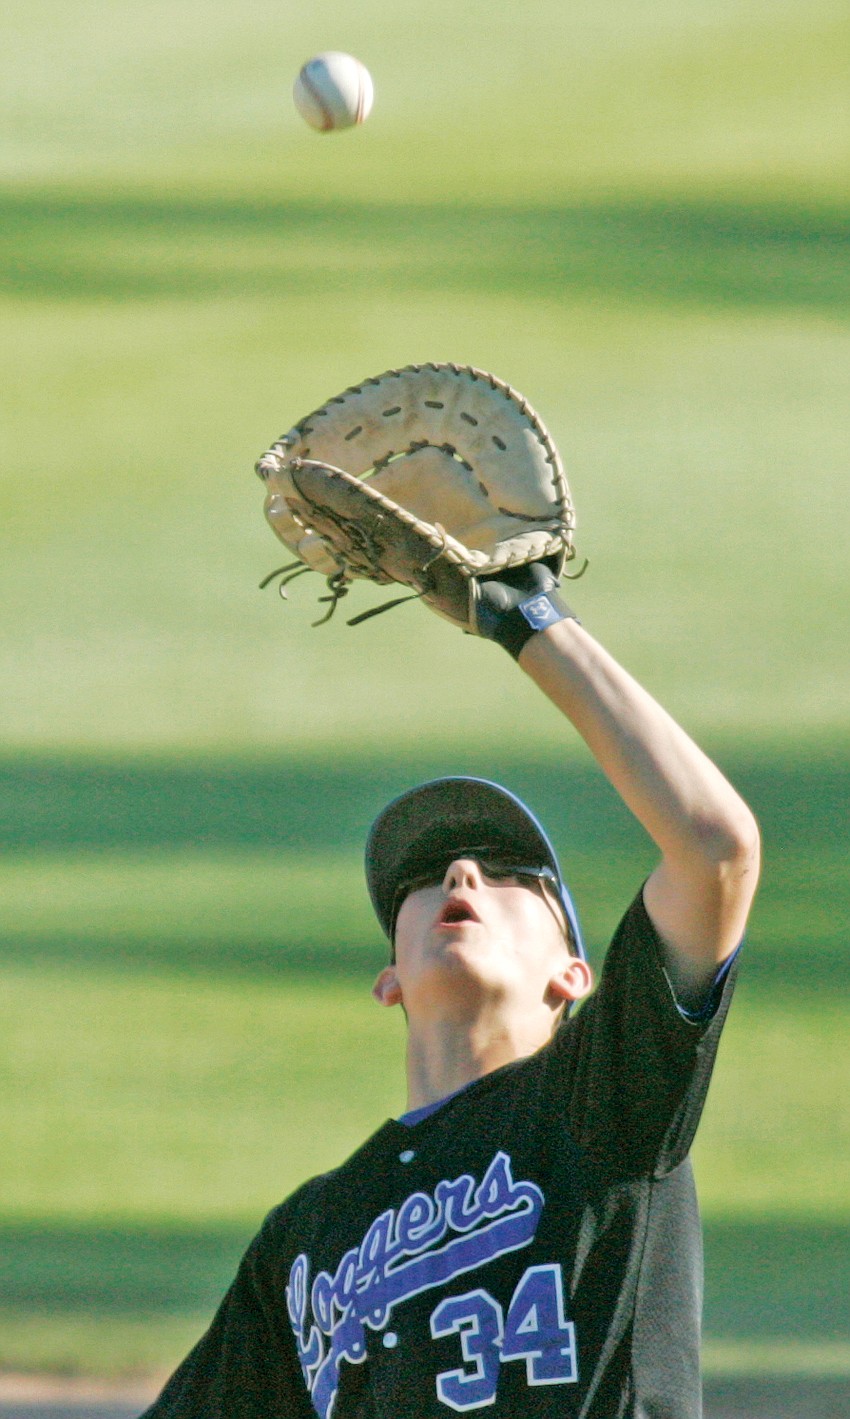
(639, 217)
(657, 96)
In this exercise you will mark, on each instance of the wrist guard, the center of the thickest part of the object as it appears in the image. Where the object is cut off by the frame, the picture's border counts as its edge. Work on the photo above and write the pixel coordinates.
(513, 606)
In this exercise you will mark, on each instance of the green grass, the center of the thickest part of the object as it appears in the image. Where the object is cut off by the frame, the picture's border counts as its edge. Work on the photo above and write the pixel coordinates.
(685, 251)
(172, 1098)
(175, 1099)
(654, 96)
(705, 449)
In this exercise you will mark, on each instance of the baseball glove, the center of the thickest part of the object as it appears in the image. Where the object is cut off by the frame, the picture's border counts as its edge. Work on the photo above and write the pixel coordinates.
(433, 476)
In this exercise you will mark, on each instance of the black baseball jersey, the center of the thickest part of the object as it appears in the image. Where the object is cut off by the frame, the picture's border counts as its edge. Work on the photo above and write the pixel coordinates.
(532, 1248)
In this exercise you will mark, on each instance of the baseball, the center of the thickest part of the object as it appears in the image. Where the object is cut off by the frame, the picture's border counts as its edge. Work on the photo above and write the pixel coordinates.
(332, 91)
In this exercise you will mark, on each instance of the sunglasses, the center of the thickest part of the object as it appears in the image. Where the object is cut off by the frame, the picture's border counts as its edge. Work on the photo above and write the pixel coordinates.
(495, 869)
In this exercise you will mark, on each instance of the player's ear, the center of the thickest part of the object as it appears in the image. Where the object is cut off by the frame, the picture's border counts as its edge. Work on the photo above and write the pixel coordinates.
(573, 981)
(386, 989)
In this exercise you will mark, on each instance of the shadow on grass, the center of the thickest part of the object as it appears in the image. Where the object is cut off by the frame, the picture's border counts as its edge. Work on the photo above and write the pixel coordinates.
(764, 1280)
(755, 1397)
(126, 1271)
(49, 803)
(357, 958)
(141, 248)
(49, 808)
(307, 805)
(776, 1280)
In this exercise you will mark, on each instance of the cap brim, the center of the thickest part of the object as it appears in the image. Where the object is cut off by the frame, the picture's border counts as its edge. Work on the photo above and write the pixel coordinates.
(453, 816)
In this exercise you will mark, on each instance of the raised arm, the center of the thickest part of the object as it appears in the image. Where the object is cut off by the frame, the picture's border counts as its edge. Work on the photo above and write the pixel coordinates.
(699, 895)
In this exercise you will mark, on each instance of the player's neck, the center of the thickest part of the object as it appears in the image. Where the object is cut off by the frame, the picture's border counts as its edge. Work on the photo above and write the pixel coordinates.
(441, 1058)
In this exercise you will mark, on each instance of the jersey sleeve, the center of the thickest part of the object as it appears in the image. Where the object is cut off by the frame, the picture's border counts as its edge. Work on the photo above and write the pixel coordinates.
(245, 1367)
(634, 1068)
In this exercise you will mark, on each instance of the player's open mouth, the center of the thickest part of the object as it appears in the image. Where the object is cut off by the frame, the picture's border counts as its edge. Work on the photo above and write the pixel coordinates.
(456, 910)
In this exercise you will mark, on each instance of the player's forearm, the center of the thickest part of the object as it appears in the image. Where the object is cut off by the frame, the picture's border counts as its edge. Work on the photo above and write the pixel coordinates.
(706, 833)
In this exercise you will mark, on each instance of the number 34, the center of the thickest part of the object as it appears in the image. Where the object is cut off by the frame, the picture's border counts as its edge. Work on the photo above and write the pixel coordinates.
(535, 1330)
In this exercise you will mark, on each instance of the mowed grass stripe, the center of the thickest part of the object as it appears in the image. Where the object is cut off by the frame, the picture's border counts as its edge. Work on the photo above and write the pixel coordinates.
(273, 912)
(681, 252)
(135, 1298)
(596, 97)
(166, 1095)
(170, 1097)
(706, 452)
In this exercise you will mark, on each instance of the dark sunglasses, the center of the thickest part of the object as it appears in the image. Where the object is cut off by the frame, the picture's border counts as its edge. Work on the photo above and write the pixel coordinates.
(496, 869)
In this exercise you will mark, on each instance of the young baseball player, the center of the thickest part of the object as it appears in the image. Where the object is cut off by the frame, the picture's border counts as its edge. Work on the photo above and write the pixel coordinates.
(524, 1240)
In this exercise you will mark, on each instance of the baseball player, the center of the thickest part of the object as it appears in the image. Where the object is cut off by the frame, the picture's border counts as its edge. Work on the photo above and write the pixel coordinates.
(524, 1240)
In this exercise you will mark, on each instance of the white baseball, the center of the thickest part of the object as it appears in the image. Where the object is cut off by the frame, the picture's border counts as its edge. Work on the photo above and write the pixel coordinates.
(333, 90)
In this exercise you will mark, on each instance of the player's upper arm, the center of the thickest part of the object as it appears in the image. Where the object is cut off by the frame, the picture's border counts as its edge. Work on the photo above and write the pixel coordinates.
(699, 905)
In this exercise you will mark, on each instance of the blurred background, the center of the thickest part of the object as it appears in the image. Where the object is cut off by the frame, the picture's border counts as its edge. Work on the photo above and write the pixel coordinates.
(636, 214)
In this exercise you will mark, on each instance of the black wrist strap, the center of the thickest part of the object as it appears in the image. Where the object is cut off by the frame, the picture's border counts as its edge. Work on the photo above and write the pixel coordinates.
(535, 613)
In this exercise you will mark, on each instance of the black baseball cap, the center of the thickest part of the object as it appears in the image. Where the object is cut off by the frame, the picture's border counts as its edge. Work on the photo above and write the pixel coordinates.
(453, 817)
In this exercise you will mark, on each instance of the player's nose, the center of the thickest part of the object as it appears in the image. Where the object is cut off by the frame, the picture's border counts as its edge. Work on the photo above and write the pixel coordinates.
(463, 872)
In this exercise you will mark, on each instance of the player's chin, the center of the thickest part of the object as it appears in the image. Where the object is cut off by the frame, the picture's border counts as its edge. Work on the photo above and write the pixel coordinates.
(469, 957)
(460, 939)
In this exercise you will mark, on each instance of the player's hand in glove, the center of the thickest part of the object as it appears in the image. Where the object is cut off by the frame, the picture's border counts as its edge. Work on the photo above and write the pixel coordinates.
(440, 478)
(512, 607)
